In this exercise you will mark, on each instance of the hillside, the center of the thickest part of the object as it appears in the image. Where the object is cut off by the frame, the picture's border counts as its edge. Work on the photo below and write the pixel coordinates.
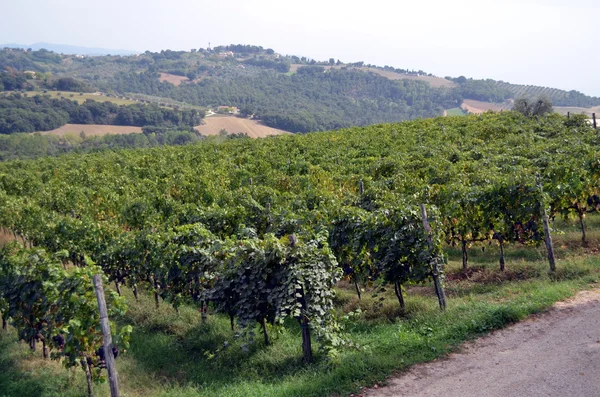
(69, 49)
(388, 73)
(291, 93)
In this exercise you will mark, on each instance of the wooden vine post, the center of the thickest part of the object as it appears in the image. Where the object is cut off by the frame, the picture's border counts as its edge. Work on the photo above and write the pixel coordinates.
(548, 241)
(594, 121)
(108, 352)
(439, 288)
(547, 235)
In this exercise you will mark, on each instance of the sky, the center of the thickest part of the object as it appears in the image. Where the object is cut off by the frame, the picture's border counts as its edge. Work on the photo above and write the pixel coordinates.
(553, 43)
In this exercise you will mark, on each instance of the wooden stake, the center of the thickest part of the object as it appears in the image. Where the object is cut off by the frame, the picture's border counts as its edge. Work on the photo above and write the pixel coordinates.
(594, 121)
(465, 255)
(501, 254)
(547, 235)
(439, 288)
(88, 377)
(548, 241)
(108, 352)
(357, 289)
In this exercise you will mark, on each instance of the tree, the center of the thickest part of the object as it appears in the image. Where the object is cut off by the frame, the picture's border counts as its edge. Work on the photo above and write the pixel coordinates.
(532, 107)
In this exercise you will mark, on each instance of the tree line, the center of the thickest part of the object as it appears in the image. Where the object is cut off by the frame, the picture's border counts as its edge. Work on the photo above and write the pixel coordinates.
(40, 113)
(32, 146)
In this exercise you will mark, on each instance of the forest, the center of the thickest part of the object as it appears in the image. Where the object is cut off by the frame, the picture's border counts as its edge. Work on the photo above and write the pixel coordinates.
(307, 101)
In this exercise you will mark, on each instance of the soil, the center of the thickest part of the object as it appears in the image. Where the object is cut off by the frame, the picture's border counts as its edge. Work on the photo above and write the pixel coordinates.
(253, 128)
(478, 107)
(93, 130)
(556, 353)
(575, 110)
(172, 78)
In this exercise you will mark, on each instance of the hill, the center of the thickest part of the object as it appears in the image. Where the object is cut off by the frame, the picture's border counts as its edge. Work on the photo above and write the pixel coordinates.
(70, 49)
(290, 93)
(389, 73)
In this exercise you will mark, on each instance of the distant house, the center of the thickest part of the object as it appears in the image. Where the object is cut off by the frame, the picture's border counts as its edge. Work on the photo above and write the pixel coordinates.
(228, 110)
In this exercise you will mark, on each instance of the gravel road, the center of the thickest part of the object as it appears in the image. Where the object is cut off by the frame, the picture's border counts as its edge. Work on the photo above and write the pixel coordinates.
(556, 353)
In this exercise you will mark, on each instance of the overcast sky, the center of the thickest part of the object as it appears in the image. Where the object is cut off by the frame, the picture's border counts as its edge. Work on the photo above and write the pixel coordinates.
(551, 43)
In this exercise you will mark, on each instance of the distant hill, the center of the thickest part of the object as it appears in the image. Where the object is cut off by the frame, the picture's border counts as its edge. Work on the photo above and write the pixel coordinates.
(285, 92)
(70, 49)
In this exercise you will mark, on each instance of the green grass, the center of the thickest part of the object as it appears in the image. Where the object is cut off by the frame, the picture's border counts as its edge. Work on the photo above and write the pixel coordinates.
(455, 112)
(174, 354)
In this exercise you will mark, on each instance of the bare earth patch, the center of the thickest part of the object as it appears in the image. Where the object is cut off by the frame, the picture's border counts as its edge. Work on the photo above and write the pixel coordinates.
(478, 107)
(172, 78)
(253, 128)
(575, 110)
(435, 82)
(93, 130)
(556, 353)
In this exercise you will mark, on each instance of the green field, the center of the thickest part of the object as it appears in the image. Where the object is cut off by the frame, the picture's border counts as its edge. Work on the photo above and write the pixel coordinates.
(455, 112)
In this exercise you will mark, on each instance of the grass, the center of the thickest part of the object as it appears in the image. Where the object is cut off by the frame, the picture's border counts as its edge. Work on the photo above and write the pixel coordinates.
(174, 354)
(455, 112)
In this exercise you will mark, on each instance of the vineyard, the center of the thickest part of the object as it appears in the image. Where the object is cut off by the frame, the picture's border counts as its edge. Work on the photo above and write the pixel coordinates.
(557, 96)
(271, 236)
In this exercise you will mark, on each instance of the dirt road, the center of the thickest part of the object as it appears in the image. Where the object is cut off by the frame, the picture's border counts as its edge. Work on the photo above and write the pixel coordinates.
(553, 354)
